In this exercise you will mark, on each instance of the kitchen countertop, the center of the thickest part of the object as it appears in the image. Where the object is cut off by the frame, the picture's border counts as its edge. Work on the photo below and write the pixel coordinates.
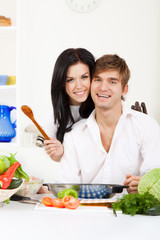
(25, 221)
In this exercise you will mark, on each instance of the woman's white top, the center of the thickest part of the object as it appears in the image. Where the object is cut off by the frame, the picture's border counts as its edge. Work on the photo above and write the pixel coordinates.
(51, 128)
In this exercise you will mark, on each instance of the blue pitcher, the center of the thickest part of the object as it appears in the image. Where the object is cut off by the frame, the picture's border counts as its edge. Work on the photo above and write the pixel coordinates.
(7, 128)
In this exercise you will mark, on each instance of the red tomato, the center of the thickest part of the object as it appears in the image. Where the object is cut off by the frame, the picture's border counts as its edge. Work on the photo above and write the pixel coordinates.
(47, 201)
(66, 199)
(70, 202)
(58, 203)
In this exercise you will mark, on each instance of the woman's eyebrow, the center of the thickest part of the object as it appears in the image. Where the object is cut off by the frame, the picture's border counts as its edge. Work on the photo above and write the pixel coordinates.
(85, 73)
(81, 75)
(68, 77)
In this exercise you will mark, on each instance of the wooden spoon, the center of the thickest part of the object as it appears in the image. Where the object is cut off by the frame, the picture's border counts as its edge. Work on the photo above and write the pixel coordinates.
(28, 112)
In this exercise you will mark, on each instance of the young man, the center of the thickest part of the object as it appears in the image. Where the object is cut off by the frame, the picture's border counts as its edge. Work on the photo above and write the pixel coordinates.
(114, 145)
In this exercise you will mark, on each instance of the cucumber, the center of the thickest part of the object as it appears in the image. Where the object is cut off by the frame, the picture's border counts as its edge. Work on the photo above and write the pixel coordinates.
(154, 211)
(15, 183)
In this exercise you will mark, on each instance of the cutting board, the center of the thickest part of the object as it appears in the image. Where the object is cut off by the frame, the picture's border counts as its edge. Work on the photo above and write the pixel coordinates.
(79, 210)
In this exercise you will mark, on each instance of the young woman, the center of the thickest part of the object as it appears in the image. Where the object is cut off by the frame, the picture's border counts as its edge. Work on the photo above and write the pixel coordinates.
(70, 93)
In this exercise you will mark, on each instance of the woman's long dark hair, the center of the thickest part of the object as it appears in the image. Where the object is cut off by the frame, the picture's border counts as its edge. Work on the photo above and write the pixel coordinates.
(60, 99)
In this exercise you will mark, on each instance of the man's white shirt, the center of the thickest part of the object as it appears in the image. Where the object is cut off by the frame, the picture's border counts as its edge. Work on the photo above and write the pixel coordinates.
(135, 149)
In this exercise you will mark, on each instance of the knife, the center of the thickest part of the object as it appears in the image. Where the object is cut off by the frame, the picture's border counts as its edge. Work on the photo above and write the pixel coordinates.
(22, 199)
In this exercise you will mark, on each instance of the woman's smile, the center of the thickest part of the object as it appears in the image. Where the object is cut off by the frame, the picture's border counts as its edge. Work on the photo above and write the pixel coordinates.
(80, 93)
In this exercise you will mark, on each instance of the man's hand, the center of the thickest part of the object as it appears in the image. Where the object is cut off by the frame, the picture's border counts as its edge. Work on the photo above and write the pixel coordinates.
(139, 108)
(54, 149)
(132, 182)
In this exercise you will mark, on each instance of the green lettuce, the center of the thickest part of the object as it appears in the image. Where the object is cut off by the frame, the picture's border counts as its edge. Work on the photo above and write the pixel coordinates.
(150, 183)
(6, 161)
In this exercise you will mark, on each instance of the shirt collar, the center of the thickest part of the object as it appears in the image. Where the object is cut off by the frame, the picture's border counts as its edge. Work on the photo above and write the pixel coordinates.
(92, 125)
(91, 119)
(125, 112)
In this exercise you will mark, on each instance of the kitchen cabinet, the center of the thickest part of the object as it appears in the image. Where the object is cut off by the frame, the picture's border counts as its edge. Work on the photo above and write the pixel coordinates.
(8, 59)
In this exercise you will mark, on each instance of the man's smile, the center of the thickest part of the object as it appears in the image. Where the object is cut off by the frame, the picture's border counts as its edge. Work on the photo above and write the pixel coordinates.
(103, 95)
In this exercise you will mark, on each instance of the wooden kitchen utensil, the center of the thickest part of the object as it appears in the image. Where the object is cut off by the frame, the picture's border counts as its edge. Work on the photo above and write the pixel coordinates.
(28, 112)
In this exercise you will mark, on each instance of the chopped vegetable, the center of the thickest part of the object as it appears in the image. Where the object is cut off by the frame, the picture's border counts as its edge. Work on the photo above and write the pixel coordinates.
(67, 192)
(70, 202)
(135, 203)
(47, 201)
(58, 203)
(6, 177)
(150, 183)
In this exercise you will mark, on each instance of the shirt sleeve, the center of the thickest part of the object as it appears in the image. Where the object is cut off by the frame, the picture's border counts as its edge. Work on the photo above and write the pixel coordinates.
(150, 147)
(69, 171)
(49, 126)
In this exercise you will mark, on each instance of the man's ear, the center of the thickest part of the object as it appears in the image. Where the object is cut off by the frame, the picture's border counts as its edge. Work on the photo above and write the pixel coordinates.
(125, 91)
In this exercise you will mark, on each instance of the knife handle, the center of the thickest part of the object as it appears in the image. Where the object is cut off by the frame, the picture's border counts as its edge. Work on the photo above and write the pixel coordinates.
(19, 198)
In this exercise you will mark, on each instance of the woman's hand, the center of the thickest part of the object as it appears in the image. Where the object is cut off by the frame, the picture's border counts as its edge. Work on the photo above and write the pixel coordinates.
(54, 149)
(132, 182)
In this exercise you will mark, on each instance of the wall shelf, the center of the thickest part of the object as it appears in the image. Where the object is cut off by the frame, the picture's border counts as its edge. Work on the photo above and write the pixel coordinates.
(7, 28)
(8, 60)
(8, 32)
(7, 87)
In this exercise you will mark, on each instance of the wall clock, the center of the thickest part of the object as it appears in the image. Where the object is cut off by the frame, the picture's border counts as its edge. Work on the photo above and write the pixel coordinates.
(83, 6)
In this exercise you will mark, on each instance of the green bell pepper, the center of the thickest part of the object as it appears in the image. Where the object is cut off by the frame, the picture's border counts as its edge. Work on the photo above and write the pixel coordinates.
(67, 192)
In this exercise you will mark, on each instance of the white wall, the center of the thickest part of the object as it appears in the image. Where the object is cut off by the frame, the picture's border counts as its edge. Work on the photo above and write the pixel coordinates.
(130, 28)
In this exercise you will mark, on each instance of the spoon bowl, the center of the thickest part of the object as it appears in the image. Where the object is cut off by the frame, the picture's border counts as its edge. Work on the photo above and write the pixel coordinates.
(29, 113)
